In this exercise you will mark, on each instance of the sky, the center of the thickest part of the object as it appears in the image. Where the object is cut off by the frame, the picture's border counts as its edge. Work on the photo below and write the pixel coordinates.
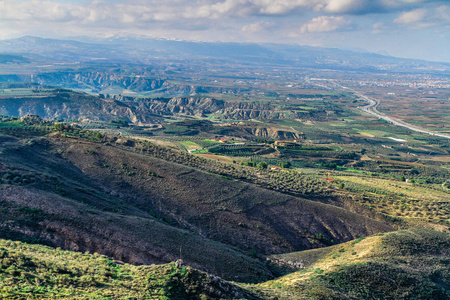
(403, 28)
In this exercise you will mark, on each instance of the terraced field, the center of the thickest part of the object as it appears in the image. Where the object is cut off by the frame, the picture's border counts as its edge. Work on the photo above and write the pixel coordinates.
(408, 201)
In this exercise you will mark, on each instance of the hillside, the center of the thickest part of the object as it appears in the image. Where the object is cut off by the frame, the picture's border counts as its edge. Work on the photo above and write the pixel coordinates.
(52, 103)
(41, 272)
(411, 264)
(65, 104)
(274, 171)
(140, 203)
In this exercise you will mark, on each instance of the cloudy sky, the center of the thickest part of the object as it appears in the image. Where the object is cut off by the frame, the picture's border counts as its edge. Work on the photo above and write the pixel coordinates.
(404, 28)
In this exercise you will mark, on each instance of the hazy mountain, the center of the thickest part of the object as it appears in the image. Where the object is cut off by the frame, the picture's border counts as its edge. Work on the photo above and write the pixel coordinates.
(144, 49)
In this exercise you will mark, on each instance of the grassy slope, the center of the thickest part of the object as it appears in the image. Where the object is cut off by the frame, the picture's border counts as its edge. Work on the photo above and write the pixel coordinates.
(36, 272)
(410, 264)
(405, 200)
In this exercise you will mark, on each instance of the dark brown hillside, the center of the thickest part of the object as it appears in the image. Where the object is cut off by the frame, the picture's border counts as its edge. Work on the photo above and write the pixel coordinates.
(241, 214)
(97, 197)
(44, 199)
(41, 217)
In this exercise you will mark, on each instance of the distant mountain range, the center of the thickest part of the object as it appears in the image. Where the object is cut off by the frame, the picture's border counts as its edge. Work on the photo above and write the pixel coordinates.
(145, 50)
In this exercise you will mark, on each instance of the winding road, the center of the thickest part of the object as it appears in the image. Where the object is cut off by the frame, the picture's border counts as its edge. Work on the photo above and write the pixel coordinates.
(371, 108)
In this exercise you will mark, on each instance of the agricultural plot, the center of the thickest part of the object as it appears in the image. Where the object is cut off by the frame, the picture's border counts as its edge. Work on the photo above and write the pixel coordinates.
(190, 146)
(19, 128)
(25, 92)
(400, 199)
(241, 149)
(424, 107)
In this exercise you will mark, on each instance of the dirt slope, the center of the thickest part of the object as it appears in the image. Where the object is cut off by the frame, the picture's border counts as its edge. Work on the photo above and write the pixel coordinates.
(97, 197)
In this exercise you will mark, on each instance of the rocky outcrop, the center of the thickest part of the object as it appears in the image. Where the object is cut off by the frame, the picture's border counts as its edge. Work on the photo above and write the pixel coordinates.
(74, 106)
(65, 104)
(194, 106)
(99, 81)
(269, 133)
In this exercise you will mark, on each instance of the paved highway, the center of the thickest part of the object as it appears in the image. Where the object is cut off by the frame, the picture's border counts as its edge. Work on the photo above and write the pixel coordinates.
(371, 108)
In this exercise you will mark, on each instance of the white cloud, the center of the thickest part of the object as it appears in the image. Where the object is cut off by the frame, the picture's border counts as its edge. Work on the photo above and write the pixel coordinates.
(174, 10)
(413, 16)
(45, 10)
(367, 6)
(324, 24)
(281, 7)
(221, 8)
(213, 19)
(344, 6)
(257, 26)
(379, 27)
(443, 13)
